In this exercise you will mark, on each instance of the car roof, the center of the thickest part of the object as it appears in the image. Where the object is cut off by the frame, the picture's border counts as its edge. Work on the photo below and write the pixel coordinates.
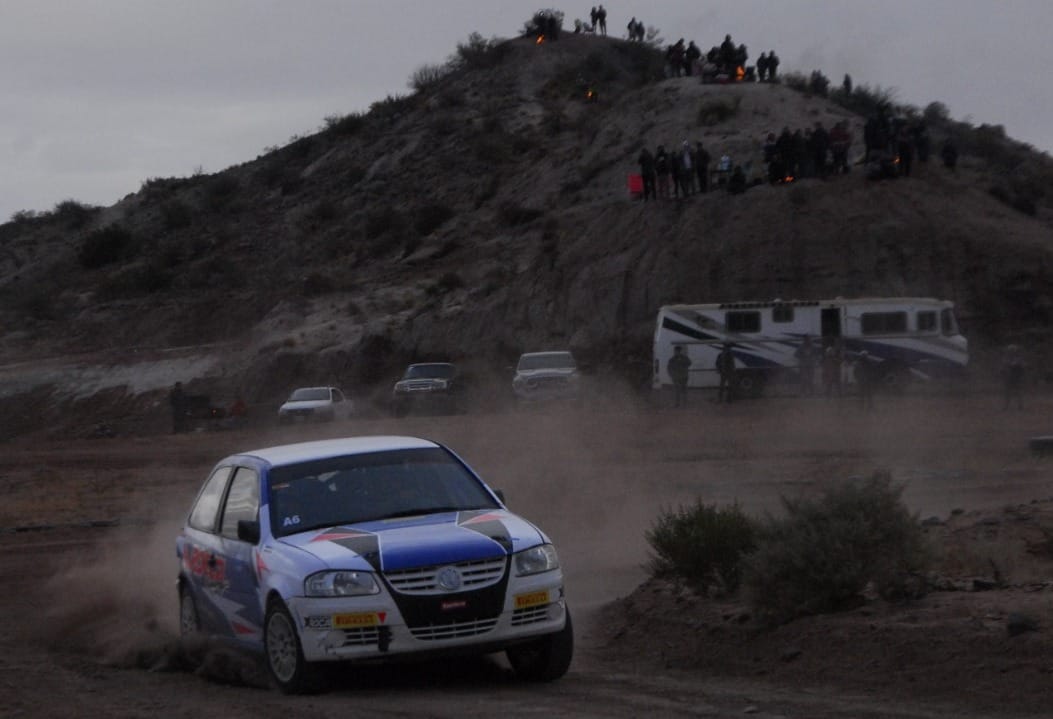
(322, 449)
(432, 364)
(549, 353)
(319, 387)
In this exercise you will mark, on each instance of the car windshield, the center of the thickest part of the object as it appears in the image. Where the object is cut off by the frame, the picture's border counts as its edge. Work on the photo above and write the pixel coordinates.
(548, 360)
(364, 487)
(309, 393)
(430, 371)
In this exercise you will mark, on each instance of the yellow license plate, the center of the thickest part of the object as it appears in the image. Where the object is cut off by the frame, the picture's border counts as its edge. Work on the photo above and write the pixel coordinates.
(359, 619)
(531, 600)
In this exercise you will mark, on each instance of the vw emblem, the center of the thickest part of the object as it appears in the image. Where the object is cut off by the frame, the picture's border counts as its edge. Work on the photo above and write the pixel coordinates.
(449, 578)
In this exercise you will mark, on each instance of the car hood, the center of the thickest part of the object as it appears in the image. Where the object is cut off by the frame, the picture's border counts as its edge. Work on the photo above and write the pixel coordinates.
(423, 541)
(547, 372)
(304, 404)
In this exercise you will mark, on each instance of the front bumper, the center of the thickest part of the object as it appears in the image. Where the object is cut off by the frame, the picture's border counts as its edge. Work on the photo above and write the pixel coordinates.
(373, 628)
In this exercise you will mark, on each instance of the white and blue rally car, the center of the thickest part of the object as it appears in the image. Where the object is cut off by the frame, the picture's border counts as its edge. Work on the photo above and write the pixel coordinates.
(367, 548)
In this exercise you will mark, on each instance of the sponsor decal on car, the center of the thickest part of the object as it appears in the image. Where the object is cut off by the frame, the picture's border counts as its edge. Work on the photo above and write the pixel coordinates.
(533, 599)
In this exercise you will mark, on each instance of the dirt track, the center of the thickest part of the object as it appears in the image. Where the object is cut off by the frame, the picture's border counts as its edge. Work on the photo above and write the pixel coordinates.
(90, 606)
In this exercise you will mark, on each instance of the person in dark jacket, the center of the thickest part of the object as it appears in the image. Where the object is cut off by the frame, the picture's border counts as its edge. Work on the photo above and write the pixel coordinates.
(726, 371)
(647, 172)
(678, 366)
(702, 167)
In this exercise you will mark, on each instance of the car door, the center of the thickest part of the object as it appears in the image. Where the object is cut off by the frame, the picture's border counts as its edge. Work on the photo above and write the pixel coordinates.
(219, 566)
(238, 556)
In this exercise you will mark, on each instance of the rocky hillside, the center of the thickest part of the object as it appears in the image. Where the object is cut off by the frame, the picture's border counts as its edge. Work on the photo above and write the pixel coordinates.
(487, 214)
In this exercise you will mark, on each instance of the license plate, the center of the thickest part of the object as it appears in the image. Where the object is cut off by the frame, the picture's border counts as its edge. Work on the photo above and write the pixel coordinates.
(359, 619)
(531, 600)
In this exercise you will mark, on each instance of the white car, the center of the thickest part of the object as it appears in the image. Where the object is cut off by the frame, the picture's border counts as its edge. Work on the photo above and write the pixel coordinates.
(367, 548)
(547, 375)
(315, 404)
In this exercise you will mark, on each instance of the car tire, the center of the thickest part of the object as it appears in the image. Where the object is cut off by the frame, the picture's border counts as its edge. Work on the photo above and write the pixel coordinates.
(545, 659)
(189, 621)
(289, 671)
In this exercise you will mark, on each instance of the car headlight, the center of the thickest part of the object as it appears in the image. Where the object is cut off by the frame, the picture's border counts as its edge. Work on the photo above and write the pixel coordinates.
(535, 560)
(340, 584)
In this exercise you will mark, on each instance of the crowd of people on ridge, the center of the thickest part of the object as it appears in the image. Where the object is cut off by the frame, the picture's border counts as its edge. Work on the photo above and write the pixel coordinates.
(723, 63)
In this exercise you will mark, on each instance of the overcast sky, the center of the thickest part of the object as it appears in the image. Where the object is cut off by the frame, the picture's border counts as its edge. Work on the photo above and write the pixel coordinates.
(98, 95)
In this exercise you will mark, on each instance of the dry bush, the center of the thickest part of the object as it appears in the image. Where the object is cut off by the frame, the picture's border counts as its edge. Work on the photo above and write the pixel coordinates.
(823, 554)
(702, 545)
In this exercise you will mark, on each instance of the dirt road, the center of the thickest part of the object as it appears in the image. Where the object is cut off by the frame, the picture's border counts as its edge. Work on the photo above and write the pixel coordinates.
(88, 566)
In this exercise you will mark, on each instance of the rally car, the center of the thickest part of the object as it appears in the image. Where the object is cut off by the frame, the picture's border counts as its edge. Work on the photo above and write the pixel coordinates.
(367, 548)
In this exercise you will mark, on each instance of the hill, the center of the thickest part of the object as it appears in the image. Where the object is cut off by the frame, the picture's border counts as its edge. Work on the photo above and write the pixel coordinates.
(487, 214)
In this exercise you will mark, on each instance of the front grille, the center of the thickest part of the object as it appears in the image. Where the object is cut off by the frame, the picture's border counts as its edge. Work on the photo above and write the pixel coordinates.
(474, 575)
(453, 630)
(530, 615)
(361, 636)
(547, 381)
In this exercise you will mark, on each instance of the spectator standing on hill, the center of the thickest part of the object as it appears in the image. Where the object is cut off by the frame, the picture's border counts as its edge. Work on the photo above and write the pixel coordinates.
(1013, 377)
(726, 371)
(773, 65)
(647, 172)
(820, 146)
(678, 366)
(631, 28)
(593, 17)
(691, 57)
(762, 67)
(702, 167)
(687, 170)
(840, 141)
(601, 17)
(661, 168)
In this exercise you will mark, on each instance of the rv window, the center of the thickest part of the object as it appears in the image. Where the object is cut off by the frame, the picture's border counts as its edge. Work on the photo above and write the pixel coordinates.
(926, 321)
(742, 321)
(781, 313)
(884, 323)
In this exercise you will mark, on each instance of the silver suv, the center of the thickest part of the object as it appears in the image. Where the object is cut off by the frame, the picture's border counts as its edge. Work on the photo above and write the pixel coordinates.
(547, 375)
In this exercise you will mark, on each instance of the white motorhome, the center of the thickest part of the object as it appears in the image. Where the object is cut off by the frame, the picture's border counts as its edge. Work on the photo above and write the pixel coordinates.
(911, 337)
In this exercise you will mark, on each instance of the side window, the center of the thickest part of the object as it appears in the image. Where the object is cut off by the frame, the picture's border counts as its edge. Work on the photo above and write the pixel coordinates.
(782, 313)
(884, 323)
(947, 323)
(927, 321)
(742, 321)
(203, 515)
(243, 501)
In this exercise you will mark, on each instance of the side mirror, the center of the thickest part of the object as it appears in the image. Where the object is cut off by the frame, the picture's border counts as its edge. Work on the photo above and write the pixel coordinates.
(249, 531)
(500, 495)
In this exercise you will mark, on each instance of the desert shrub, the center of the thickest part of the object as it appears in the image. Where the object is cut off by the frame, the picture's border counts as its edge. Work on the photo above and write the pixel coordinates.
(818, 83)
(537, 24)
(717, 110)
(176, 214)
(21, 217)
(477, 53)
(344, 124)
(795, 81)
(431, 217)
(702, 545)
(825, 552)
(936, 113)
(135, 281)
(105, 246)
(391, 107)
(73, 214)
(219, 191)
(864, 100)
(427, 76)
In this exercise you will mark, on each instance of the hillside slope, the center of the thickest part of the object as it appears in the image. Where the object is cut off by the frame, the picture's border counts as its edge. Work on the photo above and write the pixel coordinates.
(487, 214)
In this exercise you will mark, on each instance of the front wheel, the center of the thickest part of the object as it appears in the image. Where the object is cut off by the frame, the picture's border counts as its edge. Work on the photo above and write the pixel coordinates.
(288, 669)
(545, 659)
